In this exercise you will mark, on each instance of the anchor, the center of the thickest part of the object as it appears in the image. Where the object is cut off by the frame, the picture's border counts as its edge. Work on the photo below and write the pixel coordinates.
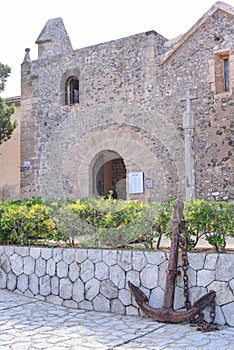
(167, 314)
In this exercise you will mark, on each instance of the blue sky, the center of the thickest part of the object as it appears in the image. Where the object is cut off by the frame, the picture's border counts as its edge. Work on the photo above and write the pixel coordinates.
(89, 22)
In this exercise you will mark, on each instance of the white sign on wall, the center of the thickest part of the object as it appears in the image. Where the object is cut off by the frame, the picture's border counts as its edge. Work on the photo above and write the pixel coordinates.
(136, 182)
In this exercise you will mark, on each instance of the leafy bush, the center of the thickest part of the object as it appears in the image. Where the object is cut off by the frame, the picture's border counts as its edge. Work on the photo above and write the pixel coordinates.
(107, 222)
(108, 213)
(211, 220)
(23, 222)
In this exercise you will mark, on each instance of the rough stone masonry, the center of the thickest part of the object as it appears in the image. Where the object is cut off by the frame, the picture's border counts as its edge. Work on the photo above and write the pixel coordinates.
(124, 100)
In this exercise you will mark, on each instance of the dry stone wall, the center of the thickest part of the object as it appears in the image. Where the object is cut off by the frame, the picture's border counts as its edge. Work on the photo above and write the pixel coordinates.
(97, 279)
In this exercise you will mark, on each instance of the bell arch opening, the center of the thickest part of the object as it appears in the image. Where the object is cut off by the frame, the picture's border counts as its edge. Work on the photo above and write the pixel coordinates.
(109, 174)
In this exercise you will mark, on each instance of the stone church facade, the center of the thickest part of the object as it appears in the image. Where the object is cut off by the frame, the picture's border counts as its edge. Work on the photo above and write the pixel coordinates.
(149, 118)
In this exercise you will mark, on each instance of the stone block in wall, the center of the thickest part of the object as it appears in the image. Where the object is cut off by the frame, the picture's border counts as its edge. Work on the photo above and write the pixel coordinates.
(117, 307)
(228, 311)
(29, 294)
(28, 265)
(87, 270)
(195, 262)
(162, 274)
(149, 276)
(40, 267)
(155, 259)
(132, 311)
(78, 291)
(231, 284)
(46, 253)
(108, 289)
(205, 277)
(219, 316)
(54, 299)
(22, 251)
(16, 264)
(92, 288)
(117, 276)
(62, 269)
(125, 296)
(11, 281)
(22, 283)
(68, 256)
(90, 284)
(50, 267)
(81, 255)
(57, 254)
(101, 303)
(5, 263)
(95, 256)
(55, 285)
(44, 285)
(156, 297)
(65, 288)
(124, 260)
(110, 257)
(86, 305)
(224, 293)
(134, 277)
(70, 303)
(101, 271)
(195, 293)
(179, 298)
(74, 271)
(33, 284)
(35, 252)
(139, 260)
(3, 279)
(210, 261)
(225, 267)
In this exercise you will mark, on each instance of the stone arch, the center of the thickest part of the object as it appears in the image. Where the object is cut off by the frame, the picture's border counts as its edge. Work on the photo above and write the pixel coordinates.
(137, 152)
(81, 135)
(109, 174)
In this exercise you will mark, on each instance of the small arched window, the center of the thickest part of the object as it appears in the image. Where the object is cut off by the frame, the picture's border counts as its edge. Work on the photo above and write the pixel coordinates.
(72, 91)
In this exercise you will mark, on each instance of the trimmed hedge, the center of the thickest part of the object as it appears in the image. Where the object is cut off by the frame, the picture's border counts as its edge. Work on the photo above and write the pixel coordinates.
(106, 222)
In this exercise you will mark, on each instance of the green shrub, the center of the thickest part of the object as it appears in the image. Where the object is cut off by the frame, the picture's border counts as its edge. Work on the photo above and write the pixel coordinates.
(107, 222)
(124, 223)
(23, 222)
(211, 220)
(107, 213)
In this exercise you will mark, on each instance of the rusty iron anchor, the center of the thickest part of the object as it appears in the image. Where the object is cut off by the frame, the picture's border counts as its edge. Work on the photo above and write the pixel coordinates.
(167, 314)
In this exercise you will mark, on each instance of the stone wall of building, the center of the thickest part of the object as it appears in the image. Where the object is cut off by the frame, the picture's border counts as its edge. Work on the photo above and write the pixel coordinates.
(132, 99)
(98, 279)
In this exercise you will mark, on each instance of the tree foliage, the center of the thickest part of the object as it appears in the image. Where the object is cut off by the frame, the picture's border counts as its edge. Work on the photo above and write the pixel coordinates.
(6, 125)
(5, 71)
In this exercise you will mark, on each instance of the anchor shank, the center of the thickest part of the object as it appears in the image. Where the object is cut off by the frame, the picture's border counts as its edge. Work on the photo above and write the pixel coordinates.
(166, 313)
(173, 258)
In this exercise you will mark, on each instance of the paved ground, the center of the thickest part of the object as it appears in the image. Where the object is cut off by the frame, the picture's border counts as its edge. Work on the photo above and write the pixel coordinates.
(29, 324)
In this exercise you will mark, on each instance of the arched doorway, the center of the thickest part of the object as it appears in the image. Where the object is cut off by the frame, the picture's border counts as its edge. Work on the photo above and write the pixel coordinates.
(109, 174)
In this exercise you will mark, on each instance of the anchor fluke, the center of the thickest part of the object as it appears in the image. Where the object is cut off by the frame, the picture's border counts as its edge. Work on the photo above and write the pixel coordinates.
(167, 314)
(205, 300)
(140, 297)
